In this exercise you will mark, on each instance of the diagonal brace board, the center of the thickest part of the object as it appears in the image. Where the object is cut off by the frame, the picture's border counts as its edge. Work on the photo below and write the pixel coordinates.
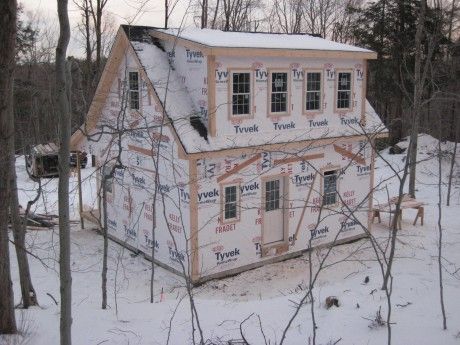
(353, 156)
(304, 209)
(142, 150)
(239, 167)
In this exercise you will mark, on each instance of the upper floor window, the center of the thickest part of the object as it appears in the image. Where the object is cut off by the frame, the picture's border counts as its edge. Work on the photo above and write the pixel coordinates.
(241, 93)
(278, 92)
(330, 187)
(134, 90)
(344, 90)
(313, 81)
(231, 202)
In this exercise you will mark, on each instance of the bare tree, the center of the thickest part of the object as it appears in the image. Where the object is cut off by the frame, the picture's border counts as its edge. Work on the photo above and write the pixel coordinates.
(7, 63)
(287, 16)
(63, 109)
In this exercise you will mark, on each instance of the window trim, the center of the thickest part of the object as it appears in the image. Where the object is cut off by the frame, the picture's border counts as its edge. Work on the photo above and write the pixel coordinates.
(269, 91)
(324, 170)
(231, 71)
(304, 92)
(236, 184)
(336, 90)
(139, 87)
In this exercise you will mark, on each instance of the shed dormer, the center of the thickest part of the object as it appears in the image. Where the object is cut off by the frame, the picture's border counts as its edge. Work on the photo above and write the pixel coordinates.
(253, 83)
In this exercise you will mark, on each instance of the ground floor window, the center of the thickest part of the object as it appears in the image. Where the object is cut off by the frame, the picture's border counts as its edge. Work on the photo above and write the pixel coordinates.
(330, 187)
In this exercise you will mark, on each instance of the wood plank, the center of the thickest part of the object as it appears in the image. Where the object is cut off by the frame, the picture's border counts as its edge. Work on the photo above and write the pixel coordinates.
(298, 159)
(211, 81)
(349, 154)
(304, 209)
(238, 168)
(141, 150)
(194, 244)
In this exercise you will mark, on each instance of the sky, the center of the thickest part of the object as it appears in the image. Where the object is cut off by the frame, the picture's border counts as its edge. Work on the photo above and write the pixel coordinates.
(123, 11)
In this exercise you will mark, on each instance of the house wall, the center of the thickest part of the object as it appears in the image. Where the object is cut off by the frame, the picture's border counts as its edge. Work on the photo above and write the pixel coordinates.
(130, 211)
(328, 120)
(231, 247)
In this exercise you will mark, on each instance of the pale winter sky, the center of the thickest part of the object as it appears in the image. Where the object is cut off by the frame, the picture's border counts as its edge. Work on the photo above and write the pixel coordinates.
(123, 12)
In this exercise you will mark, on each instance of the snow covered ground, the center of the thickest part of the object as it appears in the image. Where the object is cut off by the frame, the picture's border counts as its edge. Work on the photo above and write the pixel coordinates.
(268, 291)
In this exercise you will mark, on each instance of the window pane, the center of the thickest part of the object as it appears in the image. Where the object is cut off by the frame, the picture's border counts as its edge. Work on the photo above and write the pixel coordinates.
(134, 99)
(279, 92)
(279, 82)
(344, 81)
(343, 99)
(133, 81)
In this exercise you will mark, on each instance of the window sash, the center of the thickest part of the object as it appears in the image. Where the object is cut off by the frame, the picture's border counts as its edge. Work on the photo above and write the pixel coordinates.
(133, 81)
(330, 188)
(279, 92)
(313, 91)
(272, 195)
(344, 90)
(241, 93)
(231, 200)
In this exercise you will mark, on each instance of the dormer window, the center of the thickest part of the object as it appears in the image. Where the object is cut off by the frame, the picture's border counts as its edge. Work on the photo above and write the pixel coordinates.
(344, 90)
(134, 90)
(279, 97)
(313, 91)
(241, 93)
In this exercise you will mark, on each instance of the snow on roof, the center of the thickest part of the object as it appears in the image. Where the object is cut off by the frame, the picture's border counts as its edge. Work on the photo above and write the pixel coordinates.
(218, 38)
(179, 108)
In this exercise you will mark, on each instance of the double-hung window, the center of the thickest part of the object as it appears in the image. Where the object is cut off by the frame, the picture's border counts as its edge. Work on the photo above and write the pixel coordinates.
(344, 90)
(230, 203)
(278, 92)
(272, 195)
(330, 187)
(313, 81)
(241, 93)
(133, 90)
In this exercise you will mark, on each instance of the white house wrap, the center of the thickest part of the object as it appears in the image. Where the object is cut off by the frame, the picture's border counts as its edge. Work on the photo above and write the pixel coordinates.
(265, 148)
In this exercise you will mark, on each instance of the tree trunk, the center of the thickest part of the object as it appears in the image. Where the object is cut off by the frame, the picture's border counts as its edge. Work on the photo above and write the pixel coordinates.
(106, 244)
(89, 80)
(63, 110)
(454, 155)
(8, 9)
(29, 297)
(418, 89)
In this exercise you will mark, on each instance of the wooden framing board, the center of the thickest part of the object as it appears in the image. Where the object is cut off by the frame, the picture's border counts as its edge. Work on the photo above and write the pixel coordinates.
(364, 94)
(239, 167)
(353, 156)
(211, 81)
(194, 245)
(141, 150)
(304, 209)
(298, 159)
(371, 186)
